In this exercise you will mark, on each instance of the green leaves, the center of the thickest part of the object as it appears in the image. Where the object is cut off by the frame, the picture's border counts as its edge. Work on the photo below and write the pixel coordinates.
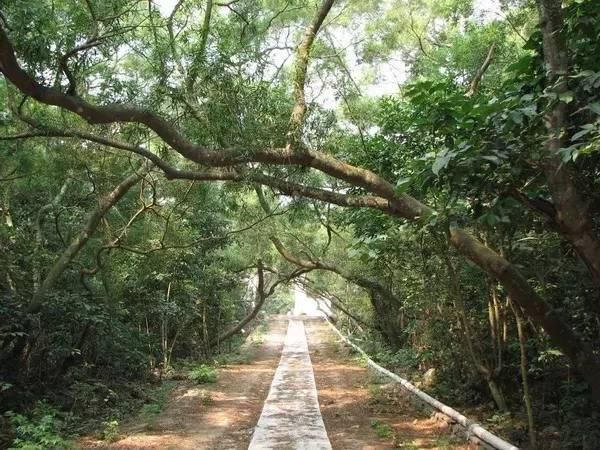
(594, 107)
(40, 431)
(566, 96)
(202, 374)
(402, 185)
(584, 142)
(585, 129)
(442, 160)
(516, 117)
(523, 65)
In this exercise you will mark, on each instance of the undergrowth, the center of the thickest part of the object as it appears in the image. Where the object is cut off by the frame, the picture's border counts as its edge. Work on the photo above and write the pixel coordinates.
(202, 373)
(383, 430)
(43, 428)
(98, 407)
(160, 398)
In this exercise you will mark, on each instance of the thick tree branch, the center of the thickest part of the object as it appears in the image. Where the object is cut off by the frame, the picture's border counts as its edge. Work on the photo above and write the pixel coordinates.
(92, 222)
(403, 205)
(301, 69)
(174, 51)
(481, 71)
(39, 234)
(240, 174)
(539, 206)
(261, 296)
(360, 280)
(383, 300)
(200, 54)
(337, 303)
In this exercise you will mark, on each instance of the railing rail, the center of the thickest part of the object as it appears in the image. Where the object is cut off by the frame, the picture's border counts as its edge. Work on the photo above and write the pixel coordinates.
(472, 428)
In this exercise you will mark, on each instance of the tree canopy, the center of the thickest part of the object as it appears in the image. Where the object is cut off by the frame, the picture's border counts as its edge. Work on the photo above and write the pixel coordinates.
(429, 168)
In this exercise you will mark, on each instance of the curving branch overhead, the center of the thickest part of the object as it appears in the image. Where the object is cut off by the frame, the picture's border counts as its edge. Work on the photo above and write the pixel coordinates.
(247, 165)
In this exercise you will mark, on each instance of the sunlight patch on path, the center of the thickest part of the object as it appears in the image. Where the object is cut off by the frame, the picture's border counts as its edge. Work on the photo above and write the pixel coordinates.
(291, 417)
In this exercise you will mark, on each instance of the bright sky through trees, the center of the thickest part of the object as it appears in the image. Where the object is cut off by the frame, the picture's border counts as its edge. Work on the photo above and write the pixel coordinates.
(388, 75)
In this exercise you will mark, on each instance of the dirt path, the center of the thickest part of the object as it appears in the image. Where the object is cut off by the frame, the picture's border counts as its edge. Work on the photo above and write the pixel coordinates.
(217, 416)
(356, 414)
(362, 415)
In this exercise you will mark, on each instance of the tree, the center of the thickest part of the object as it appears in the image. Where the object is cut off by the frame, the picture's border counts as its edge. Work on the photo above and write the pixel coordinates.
(235, 164)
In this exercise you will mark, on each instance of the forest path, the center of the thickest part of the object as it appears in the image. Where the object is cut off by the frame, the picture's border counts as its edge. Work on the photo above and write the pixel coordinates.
(356, 413)
(221, 415)
(291, 417)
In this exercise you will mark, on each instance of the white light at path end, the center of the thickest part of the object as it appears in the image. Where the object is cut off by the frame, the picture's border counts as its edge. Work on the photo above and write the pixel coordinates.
(304, 304)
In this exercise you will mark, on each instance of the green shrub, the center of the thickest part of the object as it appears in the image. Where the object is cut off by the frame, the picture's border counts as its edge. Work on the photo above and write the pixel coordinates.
(150, 409)
(203, 374)
(160, 397)
(383, 430)
(111, 430)
(236, 357)
(405, 360)
(40, 431)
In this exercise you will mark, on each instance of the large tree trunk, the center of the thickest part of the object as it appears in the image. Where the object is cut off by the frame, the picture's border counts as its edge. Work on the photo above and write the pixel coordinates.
(386, 318)
(572, 216)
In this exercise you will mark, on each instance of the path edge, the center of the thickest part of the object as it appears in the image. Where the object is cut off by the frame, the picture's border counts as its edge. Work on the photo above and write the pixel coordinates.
(472, 428)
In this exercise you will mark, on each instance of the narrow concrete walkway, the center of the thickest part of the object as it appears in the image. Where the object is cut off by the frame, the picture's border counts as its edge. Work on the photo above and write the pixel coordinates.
(291, 418)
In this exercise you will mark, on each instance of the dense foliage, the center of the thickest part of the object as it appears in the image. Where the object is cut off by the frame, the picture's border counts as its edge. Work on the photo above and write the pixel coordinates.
(130, 244)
